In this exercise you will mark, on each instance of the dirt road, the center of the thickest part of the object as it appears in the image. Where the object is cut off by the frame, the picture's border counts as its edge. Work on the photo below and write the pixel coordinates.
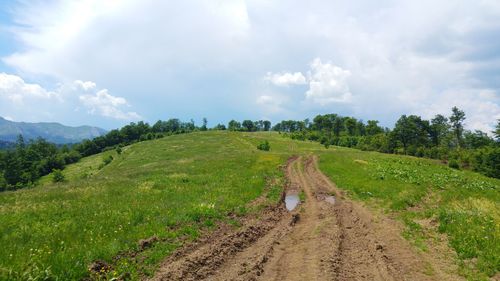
(327, 237)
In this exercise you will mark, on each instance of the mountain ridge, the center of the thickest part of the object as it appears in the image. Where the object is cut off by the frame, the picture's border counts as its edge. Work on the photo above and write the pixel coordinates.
(51, 131)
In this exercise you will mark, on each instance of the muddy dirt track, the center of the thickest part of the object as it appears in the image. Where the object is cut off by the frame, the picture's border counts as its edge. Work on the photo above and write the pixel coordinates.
(321, 239)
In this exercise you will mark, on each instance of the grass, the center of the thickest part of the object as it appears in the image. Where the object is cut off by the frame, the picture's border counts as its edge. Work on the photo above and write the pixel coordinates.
(464, 205)
(179, 186)
(171, 188)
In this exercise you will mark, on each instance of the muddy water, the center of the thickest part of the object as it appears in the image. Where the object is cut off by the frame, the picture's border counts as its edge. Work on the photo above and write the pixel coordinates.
(291, 201)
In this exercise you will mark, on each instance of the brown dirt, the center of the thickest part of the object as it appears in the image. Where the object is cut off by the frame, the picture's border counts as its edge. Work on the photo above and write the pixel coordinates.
(317, 241)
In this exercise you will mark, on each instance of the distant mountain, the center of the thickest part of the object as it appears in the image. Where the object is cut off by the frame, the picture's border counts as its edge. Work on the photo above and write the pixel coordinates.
(6, 144)
(53, 132)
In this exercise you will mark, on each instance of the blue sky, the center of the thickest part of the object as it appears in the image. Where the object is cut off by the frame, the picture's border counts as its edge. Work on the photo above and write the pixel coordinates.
(107, 63)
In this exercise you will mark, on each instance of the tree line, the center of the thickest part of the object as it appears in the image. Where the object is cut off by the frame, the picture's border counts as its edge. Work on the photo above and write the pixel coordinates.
(445, 138)
(441, 138)
(23, 163)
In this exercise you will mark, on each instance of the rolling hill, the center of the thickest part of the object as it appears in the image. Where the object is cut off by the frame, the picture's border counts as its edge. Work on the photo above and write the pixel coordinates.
(53, 132)
(121, 220)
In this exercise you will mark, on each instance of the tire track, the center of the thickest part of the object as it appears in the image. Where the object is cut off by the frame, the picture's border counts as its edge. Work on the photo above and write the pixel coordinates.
(320, 240)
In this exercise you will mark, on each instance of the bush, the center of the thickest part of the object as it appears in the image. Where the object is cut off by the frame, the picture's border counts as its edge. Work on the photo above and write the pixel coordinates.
(3, 183)
(107, 160)
(57, 176)
(454, 164)
(487, 161)
(264, 146)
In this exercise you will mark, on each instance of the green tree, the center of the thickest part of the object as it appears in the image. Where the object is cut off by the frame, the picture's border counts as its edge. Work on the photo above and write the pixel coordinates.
(267, 125)
(476, 139)
(497, 131)
(204, 126)
(350, 125)
(411, 130)
(457, 119)
(220, 127)
(248, 125)
(234, 125)
(439, 129)
(372, 128)
(338, 126)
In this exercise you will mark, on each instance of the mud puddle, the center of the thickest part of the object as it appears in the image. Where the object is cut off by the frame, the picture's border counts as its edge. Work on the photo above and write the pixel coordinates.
(291, 201)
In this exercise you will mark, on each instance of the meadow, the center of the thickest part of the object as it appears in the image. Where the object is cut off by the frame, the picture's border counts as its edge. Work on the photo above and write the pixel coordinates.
(170, 188)
(179, 186)
(430, 199)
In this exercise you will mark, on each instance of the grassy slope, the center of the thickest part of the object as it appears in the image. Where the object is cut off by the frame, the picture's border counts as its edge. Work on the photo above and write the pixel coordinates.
(429, 198)
(175, 186)
(183, 182)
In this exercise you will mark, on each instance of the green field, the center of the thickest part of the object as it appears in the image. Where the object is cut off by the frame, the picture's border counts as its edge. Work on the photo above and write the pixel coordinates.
(176, 187)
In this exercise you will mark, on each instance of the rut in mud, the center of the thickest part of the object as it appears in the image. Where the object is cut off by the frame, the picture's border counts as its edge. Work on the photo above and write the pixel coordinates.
(327, 237)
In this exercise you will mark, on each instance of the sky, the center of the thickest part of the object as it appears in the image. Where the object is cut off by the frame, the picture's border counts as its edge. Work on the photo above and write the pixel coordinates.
(108, 63)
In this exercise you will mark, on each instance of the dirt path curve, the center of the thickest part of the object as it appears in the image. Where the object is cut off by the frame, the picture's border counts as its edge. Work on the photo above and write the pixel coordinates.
(325, 238)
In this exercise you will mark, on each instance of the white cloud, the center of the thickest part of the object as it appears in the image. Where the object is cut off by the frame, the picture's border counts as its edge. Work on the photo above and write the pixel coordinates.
(481, 107)
(86, 86)
(106, 105)
(15, 89)
(286, 79)
(31, 102)
(327, 83)
(401, 55)
(271, 103)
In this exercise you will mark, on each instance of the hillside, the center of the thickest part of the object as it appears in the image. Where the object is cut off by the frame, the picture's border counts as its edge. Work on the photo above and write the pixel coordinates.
(158, 196)
(53, 132)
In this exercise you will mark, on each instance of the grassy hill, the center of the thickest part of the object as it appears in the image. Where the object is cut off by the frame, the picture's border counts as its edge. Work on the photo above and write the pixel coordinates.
(53, 132)
(179, 186)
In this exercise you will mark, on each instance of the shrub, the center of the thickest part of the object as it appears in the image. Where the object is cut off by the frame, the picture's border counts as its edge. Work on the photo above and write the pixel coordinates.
(454, 164)
(57, 176)
(264, 146)
(107, 160)
(3, 183)
(119, 150)
(487, 161)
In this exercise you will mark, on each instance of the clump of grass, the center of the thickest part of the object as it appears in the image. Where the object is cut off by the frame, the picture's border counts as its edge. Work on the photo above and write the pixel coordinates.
(302, 196)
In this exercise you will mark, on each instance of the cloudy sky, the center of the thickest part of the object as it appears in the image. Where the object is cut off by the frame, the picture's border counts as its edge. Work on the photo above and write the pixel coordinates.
(108, 63)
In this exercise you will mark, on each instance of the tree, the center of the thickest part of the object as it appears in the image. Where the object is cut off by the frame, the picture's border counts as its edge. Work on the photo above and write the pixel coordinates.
(248, 125)
(350, 125)
(476, 139)
(338, 126)
(411, 130)
(234, 125)
(220, 127)
(204, 126)
(267, 125)
(372, 128)
(456, 119)
(439, 129)
(497, 131)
